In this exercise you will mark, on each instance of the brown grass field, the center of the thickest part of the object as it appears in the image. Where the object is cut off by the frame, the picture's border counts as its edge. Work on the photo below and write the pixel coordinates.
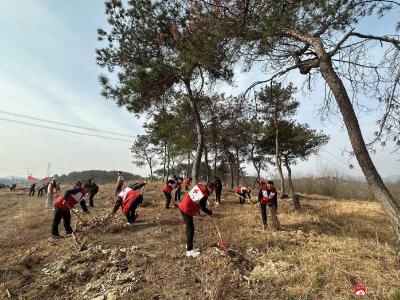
(323, 252)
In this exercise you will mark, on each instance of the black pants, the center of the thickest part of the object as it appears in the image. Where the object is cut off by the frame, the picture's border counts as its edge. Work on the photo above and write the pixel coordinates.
(242, 198)
(32, 193)
(40, 193)
(91, 196)
(117, 190)
(218, 196)
(263, 209)
(168, 199)
(130, 215)
(177, 197)
(189, 230)
(59, 214)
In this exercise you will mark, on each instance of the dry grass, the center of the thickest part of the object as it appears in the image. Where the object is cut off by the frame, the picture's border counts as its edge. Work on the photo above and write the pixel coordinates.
(340, 187)
(322, 253)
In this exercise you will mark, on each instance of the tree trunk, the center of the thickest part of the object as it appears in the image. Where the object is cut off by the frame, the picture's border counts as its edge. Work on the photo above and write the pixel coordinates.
(151, 168)
(200, 141)
(168, 161)
(390, 205)
(278, 159)
(207, 164)
(237, 168)
(295, 197)
(164, 160)
(230, 164)
(215, 161)
(187, 166)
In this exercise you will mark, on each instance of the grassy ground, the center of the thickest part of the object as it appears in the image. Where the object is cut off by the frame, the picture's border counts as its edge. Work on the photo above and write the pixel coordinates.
(323, 252)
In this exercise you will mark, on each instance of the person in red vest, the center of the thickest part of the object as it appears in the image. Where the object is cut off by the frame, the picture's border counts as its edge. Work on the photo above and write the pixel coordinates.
(243, 193)
(268, 195)
(195, 199)
(186, 183)
(167, 189)
(177, 196)
(120, 183)
(51, 191)
(129, 200)
(63, 205)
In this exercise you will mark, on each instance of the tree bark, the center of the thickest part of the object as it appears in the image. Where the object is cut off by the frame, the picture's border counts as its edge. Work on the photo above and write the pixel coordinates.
(188, 165)
(215, 161)
(278, 159)
(164, 160)
(149, 161)
(237, 168)
(295, 197)
(168, 161)
(207, 164)
(390, 205)
(200, 141)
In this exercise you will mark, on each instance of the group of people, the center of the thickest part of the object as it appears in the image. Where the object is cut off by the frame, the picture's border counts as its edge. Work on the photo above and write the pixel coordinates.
(195, 198)
(176, 183)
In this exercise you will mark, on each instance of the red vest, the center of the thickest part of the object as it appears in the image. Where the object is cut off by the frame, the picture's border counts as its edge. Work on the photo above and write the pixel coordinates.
(191, 202)
(128, 196)
(71, 201)
(241, 190)
(168, 188)
(267, 195)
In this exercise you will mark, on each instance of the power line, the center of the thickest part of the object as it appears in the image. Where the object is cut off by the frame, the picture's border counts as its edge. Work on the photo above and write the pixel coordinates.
(65, 130)
(343, 162)
(63, 124)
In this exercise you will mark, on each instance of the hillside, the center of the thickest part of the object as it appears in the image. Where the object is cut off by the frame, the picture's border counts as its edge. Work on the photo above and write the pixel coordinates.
(323, 252)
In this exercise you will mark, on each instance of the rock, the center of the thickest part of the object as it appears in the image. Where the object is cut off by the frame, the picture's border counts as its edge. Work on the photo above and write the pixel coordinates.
(134, 248)
(101, 297)
(123, 250)
(114, 252)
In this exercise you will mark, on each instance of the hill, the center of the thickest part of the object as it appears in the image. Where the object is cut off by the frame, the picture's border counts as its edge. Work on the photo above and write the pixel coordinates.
(323, 252)
(99, 176)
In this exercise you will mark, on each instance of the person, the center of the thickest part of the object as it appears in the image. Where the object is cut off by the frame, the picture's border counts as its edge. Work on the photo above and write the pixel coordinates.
(94, 188)
(129, 200)
(64, 204)
(195, 199)
(32, 189)
(177, 196)
(218, 189)
(42, 188)
(120, 183)
(51, 191)
(58, 187)
(186, 183)
(13, 187)
(167, 189)
(268, 195)
(243, 192)
(77, 184)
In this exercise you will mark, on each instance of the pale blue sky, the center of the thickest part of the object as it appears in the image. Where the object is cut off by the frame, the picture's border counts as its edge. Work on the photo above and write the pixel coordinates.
(48, 70)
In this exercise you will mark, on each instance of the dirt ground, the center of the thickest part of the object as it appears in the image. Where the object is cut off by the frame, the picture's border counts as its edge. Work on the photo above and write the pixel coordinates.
(322, 253)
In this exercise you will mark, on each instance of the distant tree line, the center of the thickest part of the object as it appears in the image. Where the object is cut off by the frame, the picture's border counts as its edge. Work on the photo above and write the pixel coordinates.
(99, 176)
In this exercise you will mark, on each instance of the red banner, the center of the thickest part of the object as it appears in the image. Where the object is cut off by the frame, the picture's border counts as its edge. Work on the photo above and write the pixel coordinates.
(31, 178)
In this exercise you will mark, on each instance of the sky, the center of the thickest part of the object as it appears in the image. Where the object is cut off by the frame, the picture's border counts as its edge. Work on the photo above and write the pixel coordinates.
(48, 70)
